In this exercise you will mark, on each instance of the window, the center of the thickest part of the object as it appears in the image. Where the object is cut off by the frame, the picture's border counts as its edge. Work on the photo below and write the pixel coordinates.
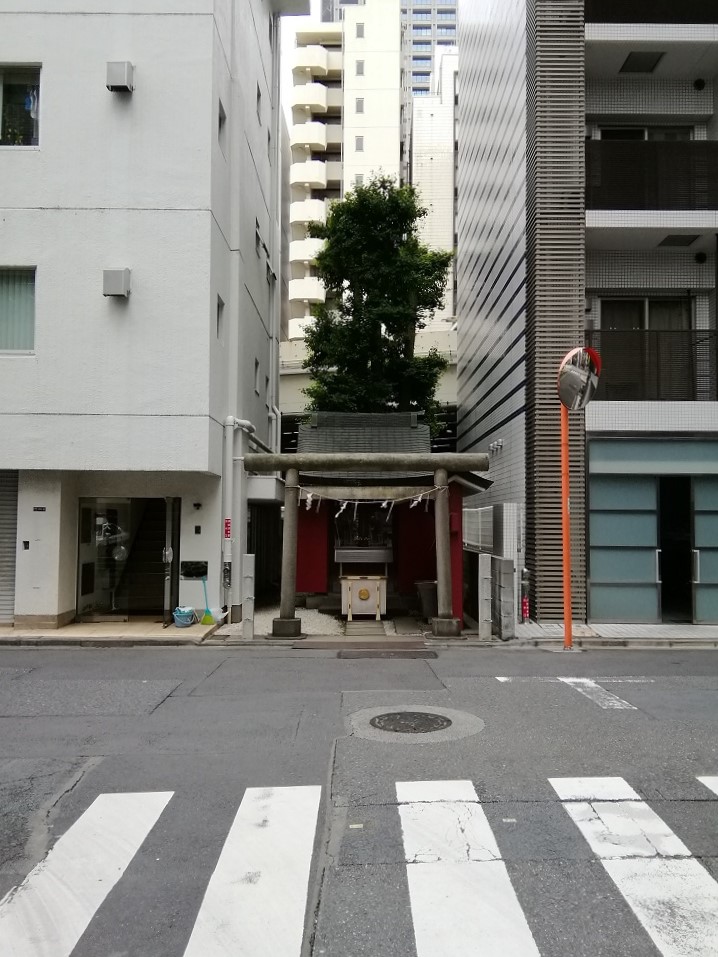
(256, 376)
(220, 317)
(17, 310)
(659, 315)
(360, 68)
(360, 104)
(446, 15)
(359, 144)
(266, 390)
(360, 31)
(446, 31)
(257, 237)
(259, 104)
(421, 31)
(421, 47)
(19, 106)
(359, 179)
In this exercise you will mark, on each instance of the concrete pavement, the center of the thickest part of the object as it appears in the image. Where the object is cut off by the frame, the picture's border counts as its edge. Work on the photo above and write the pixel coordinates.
(221, 731)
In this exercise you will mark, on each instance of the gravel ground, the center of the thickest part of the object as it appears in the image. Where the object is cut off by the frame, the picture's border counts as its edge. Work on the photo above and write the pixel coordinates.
(313, 623)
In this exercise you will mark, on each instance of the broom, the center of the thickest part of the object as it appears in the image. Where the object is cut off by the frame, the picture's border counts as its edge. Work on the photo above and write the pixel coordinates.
(207, 618)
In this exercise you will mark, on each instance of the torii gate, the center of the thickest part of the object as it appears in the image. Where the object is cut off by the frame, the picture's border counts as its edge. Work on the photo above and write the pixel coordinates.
(291, 464)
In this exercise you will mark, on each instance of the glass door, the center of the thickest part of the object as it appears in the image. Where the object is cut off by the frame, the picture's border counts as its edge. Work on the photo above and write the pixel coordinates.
(104, 547)
(170, 557)
(705, 549)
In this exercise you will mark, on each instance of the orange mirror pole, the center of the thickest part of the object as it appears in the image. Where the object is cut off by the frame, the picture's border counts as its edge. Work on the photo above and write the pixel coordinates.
(566, 533)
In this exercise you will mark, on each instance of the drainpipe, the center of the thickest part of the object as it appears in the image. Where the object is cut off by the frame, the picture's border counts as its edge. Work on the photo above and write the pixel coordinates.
(275, 242)
(232, 584)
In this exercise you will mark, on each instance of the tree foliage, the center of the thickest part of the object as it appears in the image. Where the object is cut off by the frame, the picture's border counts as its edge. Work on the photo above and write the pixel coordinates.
(382, 285)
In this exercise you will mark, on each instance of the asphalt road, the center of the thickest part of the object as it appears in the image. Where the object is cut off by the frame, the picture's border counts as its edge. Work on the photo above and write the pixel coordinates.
(208, 803)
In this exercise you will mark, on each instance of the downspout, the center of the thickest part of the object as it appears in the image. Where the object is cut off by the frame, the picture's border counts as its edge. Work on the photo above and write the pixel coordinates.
(275, 242)
(231, 425)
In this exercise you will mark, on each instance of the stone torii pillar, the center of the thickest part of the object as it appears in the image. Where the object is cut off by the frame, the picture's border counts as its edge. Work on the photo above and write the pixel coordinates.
(444, 625)
(287, 625)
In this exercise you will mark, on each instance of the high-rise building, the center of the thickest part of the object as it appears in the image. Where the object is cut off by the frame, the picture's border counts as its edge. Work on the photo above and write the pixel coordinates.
(432, 24)
(140, 196)
(434, 157)
(349, 110)
(588, 213)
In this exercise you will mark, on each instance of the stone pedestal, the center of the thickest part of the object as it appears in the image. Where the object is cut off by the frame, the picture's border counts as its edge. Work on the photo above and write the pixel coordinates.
(286, 628)
(445, 628)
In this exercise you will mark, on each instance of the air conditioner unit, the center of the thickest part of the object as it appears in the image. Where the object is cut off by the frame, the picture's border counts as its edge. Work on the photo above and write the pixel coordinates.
(116, 282)
(120, 76)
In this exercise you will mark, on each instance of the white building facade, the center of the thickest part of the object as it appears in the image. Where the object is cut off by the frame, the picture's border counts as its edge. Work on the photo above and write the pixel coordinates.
(139, 307)
(350, 108)
(434, 159)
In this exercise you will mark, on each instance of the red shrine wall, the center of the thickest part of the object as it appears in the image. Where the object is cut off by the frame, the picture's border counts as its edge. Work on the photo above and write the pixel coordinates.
(313, 549)
(414, 548)
(456, 516)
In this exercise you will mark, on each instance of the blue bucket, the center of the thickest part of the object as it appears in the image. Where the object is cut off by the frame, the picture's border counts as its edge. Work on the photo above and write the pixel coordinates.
(184, 617)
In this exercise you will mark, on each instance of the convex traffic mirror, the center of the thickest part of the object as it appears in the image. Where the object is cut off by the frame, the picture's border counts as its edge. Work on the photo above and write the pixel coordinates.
(578, 377)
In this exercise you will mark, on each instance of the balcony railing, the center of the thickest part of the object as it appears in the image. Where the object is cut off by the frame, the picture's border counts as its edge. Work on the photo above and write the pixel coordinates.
(652, 175)
(653, 366)
(650, 11)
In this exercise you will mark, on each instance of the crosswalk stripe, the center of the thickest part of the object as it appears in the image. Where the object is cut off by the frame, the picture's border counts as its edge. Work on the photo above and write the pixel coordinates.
(710, 782)
(600, 696)
(255, 900)
(460, 892)
(48, 913)
(670, 892)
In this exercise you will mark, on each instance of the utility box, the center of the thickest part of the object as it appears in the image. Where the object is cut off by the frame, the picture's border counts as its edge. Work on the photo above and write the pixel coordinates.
(120, 77)
(116, 282)
(503, 608)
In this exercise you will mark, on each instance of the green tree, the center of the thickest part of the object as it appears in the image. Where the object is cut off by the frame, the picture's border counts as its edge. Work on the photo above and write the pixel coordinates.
(382, 286)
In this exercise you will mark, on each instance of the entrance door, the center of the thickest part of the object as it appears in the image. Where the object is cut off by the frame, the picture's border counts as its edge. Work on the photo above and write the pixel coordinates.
(170, 557)
(705, 549)
(674, 542)
(8, 544)
(122, 566)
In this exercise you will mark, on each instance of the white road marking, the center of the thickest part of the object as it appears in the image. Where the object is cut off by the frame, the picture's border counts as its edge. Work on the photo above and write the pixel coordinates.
(671, 894)
(462, 900)
(593, 789)
(600, 696)
(256, 898)
(409, 792)
(48, 913)
(711, 783)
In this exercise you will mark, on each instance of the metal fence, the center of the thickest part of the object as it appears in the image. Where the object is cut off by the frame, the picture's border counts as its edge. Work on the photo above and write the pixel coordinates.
(652, 175)
(656, 366)
(650, 11)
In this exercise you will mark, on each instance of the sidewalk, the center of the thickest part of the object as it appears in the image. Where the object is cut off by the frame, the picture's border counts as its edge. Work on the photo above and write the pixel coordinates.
(619, 636)
(109, 634)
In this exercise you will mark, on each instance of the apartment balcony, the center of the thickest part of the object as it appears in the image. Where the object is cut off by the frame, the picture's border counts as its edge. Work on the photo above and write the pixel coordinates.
(335, 97)
(650, 11)
(335, 134)
(312, 174)
(309, 289)
(652, 175)
(310, 135)
(656, 366)
(310, 96)
(313, 60)
(334, 172)
(308, 211)
(304, 250)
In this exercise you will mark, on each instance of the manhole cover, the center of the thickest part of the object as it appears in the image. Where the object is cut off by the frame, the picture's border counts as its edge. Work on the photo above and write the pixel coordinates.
(410, 722)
